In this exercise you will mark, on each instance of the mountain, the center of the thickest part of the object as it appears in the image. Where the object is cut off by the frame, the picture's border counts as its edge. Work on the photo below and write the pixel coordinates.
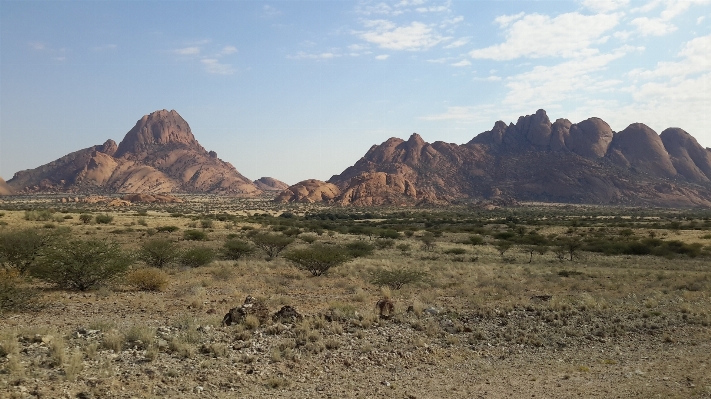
(532, 160)
(4, 188)
(159, 155)
(270, 184)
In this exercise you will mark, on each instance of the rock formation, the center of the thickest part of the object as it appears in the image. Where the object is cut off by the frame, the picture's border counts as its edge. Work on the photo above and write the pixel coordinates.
(159, 155)
(270, 184)
(4, 188)
(532, 160)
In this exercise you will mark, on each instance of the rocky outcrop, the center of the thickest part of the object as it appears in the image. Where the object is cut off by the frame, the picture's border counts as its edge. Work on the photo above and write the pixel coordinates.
(532, 160)
(270, 184)
(689, 158)
(309, 191)
(4, 188)
(638, 147)
(159, 155)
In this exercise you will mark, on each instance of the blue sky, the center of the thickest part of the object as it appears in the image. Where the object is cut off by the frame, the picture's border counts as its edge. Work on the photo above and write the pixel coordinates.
(302, 89)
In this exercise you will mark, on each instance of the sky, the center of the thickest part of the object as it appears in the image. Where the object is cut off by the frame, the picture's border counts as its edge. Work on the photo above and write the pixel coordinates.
(302, 89)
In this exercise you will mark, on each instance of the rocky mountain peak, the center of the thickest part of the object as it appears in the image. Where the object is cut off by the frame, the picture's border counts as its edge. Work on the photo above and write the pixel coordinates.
(158, 128)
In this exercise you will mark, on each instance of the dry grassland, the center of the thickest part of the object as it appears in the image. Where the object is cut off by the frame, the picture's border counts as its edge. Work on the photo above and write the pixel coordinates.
(479, 324)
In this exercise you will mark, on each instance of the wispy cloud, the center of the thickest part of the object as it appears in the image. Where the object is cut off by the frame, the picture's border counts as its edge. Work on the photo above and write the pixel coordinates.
(458, 43)
(461, 63)
(213, 65)
(39, 46)
(536, 35)
(605, 6)
(187, 51)
(301, 55)
(382, 57)
(652, 26)
(270, 11)
(416, 36)
(227, 50)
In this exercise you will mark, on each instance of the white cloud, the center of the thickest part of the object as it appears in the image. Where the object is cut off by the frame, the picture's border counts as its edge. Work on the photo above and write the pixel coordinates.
(652, 26)
(214, 66)
(451, 21)
(301, 55)
(458, 43)
(228, 50)
(605, 6)
(494, 78)
(461, 63)
(695, 60)
(700, 19)
(536, 35)
(505, 20)
(622, 35)
(440, 60)
(382, 57)
(413, 37)
(378, 9)
(547, 86)
(477, 113)
(187, 51)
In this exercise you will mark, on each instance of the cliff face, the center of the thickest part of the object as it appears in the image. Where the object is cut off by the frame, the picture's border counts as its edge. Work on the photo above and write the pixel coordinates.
(160, 154)
(535, 160)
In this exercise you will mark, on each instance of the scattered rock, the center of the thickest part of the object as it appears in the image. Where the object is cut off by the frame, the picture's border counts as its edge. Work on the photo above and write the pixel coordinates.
(251, 306)
(287, 314)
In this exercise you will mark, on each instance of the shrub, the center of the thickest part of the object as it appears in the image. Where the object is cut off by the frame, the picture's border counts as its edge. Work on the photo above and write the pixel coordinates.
(13, 294)
(19, 249)
(236, 249)
(396, 279)
(81, 265)
(206, 223)
(391, 234)
(272, 244)
(359, 249)
(104, 219)
(41, 215)
(404, 247)
(195, 235)
(455, 251)
(167, 229)
(158, 252)
(383, 243)
(318, 258)
(428, 241)
(475, 240)
(308, 238)
(198, 256)
(148, 279)
(85, 218)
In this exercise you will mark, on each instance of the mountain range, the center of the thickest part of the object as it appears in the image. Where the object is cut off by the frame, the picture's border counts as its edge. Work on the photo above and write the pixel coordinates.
(532, 160)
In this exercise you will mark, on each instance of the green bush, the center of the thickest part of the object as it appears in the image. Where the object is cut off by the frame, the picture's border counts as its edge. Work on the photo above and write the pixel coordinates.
(19, 249)
(85, 218)
(158, 252)
(80, 264)
(206, 223)
(104, 219)
(359, 249)
(308, 238)
(40, 215)
(236, 249)
(198, 256)
(383, 243)
(388, 233)
(396, 279)
(271, 244)
(194, 235)
(318, 258)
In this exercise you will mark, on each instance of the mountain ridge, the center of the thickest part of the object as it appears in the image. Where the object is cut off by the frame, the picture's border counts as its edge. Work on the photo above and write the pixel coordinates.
(531, 160)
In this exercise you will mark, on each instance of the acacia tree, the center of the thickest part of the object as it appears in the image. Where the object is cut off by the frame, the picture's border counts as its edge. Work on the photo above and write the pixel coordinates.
(158, 252)
(271, 244)
(80, 264)
(318, 258)
(19, 249)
